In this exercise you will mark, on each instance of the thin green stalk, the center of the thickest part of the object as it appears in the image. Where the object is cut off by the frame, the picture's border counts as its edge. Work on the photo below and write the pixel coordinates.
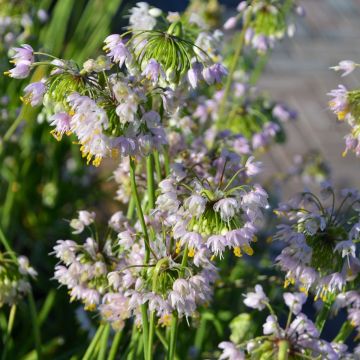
(284, 347)
(9, 329)
(200, 334)
(115, 345)
(233, 65)
(131, 208)
(104, 342)
(145, 326)
(166, 161)
(133, 341)
(35, 324)
(7, 246)
(90, 350)
(322, 316)
(150, 180)
(162, 339)
(344, 333)
(173, 336)
(135, 194)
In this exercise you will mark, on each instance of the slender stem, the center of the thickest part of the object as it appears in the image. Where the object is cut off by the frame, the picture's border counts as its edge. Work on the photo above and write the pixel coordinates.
(115, 345)
(166, 161)
(173, 336)
(150, 180)
(322, 316)
(7, 246)
(135, 194)
(104, 342)
(9, 329)
(133, 341)
(233, 65)
(145, 326)
(284, 347)
(35, 323)
(344, 333)
(90, 350)
(131, 208)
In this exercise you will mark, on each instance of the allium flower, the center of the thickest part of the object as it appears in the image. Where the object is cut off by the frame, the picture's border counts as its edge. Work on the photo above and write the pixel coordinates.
(257, 299)
(294, 301)
(153, 71)
(320, 254)
(347, 66)
(34, 93)
(214, 73)
(230, 351)
(61, 121)
(116, 49)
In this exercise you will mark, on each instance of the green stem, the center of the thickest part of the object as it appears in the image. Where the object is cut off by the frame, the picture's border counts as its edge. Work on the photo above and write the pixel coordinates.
(150, 180)
(7, 246)
(145, 326)
(344, 333)
(104, 342)
(133, 341)
(90, 350)
(166, 161)
(322, 316)
(233, 65)
(140, 213)
(162, 339)
(131, 208)
(173, 336)
(36, 325)
(115, 345)
(9, 329)
(283, 353)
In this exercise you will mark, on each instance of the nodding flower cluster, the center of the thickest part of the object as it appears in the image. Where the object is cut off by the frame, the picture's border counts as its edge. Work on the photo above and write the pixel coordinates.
(253, 116)
(14, 278)
(113, 277)
(265, 21)
(210, 206)
(345, 104)
(299, 339)
(320, 252)
(119, 103)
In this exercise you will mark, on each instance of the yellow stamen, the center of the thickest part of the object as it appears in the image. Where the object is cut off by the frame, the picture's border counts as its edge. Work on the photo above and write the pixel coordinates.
(237, 251)
(191, 252)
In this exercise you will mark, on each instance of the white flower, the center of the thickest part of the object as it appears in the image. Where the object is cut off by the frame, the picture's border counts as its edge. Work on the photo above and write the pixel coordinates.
(86, 217)
(294, 301)
(271, 325)
(347, 248)
(227, 208)
(257, 299)
(230, 351)
(348, 66)
(196, 205)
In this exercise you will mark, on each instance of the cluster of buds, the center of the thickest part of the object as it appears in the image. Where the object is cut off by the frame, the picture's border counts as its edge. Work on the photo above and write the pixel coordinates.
(14, 278)
(265, 21)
